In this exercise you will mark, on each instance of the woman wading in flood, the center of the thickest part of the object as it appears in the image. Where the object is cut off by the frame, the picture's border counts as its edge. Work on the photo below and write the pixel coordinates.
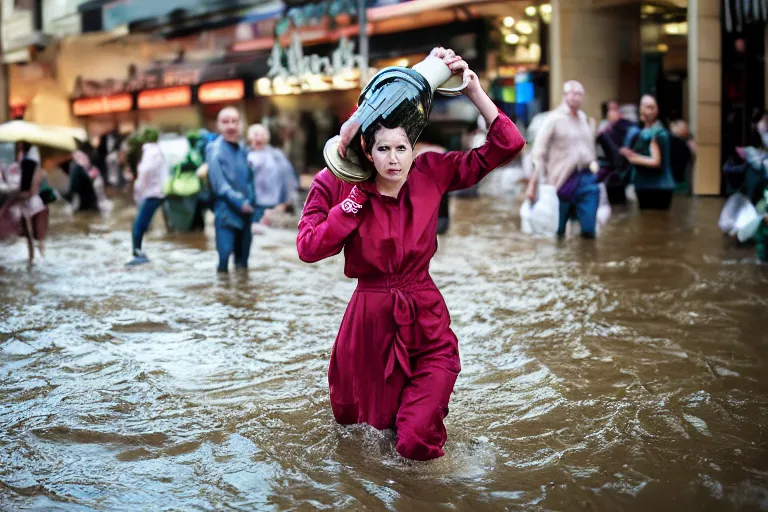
(395, 360)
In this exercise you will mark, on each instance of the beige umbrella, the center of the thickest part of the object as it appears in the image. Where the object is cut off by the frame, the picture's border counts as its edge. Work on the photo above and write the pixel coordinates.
(58, 137)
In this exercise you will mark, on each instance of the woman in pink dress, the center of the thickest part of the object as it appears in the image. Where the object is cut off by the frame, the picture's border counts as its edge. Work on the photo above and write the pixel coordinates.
(395, 359)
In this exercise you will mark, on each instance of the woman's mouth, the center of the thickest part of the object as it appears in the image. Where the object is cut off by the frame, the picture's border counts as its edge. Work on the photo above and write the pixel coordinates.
(393, 171)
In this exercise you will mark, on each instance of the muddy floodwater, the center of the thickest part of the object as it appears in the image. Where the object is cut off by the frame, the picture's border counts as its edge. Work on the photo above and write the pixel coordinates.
(625, 374)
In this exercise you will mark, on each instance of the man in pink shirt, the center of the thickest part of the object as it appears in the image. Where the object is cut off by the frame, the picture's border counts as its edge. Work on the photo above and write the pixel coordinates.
(564, 156)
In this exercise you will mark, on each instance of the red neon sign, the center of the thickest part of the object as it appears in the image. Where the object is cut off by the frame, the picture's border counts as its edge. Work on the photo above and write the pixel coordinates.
(163, 98)
(220, 92)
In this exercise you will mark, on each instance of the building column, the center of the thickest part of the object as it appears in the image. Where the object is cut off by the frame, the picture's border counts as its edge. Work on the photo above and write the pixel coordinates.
(3, 79)
(594, 42)
(705, 93)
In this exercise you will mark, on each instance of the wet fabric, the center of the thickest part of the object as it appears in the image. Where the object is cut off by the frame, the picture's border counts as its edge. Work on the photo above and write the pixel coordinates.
(395, 359)
(144, 216)
(152, 173)
(581, 204)
(231, 183)
(81, 186)
(38, 224)
(274, 178)
(231, 242)
(653, 178)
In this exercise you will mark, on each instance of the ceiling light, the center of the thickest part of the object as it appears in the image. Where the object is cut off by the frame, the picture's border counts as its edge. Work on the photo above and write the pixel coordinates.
(509, 21)
(524, 28)
(530, 10)
(545, 9)
(511, 39)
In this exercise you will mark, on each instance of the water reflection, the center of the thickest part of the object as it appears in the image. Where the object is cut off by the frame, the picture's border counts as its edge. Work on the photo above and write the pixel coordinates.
(621, 374)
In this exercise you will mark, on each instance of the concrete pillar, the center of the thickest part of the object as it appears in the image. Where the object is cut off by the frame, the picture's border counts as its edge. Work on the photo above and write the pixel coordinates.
(3, 80)
(593, 43)
(705, 93)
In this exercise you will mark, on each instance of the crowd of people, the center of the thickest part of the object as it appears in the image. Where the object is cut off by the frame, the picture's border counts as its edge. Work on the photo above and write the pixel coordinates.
(395, 360)
(582, 169)
(247, 184)
(577, 170)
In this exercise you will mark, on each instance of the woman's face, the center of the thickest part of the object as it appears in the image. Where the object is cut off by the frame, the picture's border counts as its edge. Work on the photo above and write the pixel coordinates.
(391, 154)
(649, 111)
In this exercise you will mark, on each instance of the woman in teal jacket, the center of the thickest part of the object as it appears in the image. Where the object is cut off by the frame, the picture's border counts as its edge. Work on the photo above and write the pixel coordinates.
(649, 156)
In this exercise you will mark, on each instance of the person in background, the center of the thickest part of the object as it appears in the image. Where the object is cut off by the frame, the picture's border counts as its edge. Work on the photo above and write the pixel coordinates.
(650, 159)
(274, 178)
(231, 183)
(682, 150)
(612, 132)
(564, 156)
(147, 192)
(192, 162)
(31, 212)
(80, 194)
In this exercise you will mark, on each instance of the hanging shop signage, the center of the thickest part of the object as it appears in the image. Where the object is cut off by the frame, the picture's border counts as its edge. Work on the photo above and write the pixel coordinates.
(102, 105)
(164, 98)
(292, 72)
(157, 77)
(221, 92)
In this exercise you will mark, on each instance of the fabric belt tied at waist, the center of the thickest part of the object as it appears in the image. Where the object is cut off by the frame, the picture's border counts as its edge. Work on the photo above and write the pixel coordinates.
(404, 313)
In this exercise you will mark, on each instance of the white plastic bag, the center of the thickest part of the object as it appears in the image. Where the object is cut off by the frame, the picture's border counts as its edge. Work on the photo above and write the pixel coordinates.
(604, 208)
(737, 211)
(542, 217)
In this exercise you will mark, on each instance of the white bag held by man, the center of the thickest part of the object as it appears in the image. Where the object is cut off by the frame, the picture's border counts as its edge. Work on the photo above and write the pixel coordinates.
(543, 216)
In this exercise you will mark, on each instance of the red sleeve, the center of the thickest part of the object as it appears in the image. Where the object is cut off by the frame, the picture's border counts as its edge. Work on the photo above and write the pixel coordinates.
(324, 226)
(458, 170)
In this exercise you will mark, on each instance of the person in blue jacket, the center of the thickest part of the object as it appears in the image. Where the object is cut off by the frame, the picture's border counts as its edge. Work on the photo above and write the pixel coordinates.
(231, 183)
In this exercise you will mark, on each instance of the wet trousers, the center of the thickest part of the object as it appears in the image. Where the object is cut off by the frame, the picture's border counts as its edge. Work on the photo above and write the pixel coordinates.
(147, 210)
(582, 204)
(386, 372)
(231, 241)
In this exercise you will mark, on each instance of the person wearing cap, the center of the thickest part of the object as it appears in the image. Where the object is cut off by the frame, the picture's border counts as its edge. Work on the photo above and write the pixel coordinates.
(395, 360)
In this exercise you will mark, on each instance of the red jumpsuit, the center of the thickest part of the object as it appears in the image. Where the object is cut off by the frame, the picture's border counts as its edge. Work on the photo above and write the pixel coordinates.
(395, 360)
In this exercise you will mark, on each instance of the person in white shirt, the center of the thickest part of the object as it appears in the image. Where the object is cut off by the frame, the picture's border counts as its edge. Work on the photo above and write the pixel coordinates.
(147, 191)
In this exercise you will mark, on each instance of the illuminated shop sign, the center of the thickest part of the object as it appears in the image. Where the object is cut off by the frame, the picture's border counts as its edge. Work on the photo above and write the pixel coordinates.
(164, 98)
(292, 72)
(221, 92)
(102, 105)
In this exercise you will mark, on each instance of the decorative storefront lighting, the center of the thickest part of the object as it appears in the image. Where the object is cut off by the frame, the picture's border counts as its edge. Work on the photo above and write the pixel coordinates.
(530, 10)
(509, 21)
(524, 27)
(511, 39)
